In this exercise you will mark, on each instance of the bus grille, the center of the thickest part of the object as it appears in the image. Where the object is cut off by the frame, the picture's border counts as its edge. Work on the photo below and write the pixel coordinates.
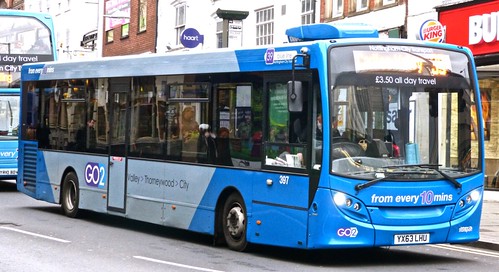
(29, 165)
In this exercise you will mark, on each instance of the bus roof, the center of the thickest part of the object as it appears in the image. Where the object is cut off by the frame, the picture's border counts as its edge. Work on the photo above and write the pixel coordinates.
(15, 12)
(330, 31)
(268, 58)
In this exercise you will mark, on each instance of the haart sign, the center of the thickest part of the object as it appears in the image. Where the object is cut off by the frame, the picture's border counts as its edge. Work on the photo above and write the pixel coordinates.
(191, 38)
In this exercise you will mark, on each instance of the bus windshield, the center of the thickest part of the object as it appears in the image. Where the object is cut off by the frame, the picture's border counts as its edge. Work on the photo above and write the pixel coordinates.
(9, 113)
(22, 40)
(402, 112)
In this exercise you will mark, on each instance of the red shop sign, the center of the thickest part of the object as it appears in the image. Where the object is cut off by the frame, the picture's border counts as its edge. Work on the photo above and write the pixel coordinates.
(476, 27)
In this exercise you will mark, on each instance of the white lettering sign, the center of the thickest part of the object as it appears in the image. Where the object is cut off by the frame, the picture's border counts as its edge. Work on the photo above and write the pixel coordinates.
(483, 28)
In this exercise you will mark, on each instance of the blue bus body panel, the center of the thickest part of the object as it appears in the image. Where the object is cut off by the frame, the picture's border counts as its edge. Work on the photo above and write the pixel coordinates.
(183, 196)
(330, 227)
(8, 159)
(36, 185)
(277, 204)
(277, 207)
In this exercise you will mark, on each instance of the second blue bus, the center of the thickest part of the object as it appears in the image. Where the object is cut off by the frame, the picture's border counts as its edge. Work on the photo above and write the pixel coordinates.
(25, 37)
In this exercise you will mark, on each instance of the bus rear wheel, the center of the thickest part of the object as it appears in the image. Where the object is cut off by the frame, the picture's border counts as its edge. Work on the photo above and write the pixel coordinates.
(234, 223)
(70, 195)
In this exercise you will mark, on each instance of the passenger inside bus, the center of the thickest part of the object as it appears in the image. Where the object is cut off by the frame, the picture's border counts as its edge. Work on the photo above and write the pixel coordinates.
(300, 130)
(207, 147)
(81, 136)
(223, 147)
(43, 136)
(318, 129)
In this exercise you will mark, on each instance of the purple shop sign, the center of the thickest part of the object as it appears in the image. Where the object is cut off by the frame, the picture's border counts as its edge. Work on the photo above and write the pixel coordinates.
(191, 38)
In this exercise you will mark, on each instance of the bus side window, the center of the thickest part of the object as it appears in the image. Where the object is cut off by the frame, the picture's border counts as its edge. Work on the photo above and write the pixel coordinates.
(173, 142)
(287, 131)
(145, 133)
(189, 131)
(317, 132)
(300, 129)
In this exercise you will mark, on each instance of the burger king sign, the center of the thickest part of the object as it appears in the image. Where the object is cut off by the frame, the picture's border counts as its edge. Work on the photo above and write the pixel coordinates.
(432, 30)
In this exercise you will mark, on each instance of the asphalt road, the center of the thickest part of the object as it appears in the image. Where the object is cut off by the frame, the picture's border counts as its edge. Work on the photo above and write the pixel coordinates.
(35, 236)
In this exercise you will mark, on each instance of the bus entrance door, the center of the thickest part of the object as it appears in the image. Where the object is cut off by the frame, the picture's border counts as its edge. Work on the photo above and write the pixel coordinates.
(119, 89)
(116, 187)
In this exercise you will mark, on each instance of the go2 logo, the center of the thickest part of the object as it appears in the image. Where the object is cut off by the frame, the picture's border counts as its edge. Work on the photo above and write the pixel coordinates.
(348, 232)
(95, 175)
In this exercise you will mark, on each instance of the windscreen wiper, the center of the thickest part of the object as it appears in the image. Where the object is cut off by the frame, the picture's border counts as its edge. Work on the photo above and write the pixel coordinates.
(434, 167)
(380, 176)
(10, 115)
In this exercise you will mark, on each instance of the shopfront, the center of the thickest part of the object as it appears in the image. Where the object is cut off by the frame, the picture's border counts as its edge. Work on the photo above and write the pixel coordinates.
(475, 24)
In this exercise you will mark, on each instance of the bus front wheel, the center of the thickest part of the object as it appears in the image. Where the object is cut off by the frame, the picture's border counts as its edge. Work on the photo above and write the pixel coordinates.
(234, 222)
(70, 195)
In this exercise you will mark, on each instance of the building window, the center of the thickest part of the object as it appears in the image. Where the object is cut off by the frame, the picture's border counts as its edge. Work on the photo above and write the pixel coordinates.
(220, 26)
(265, 26)
(337, 8)
(307, 12)
(362, 5)
(125, 30)
(381, 3)
(109, 36)
(180, 21)
(142, 15)
(357, 5)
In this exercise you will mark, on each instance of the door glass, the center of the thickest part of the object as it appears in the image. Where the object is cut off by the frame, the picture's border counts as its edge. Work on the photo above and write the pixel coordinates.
(287, 131)
(118, 129)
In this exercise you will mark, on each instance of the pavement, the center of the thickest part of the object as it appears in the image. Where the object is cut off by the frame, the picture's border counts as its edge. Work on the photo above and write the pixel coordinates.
(489, 226)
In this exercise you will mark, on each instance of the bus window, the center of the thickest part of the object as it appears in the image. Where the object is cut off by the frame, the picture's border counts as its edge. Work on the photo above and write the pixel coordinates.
(189, 131)
(278, 114)
(187, 110)
(238, 124)
(145, 134)
(317, 132)
(286, 145)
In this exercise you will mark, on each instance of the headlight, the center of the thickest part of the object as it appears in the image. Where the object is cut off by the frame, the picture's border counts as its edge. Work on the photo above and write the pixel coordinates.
(340, 199)
(351, 206)
(467, 202)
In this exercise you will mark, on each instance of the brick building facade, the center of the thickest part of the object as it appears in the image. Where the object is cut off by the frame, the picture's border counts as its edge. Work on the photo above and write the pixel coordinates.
(141, 26)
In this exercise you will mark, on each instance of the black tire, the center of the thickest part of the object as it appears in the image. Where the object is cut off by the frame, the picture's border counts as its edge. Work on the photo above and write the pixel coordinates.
(70, 195)
(234, 223)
